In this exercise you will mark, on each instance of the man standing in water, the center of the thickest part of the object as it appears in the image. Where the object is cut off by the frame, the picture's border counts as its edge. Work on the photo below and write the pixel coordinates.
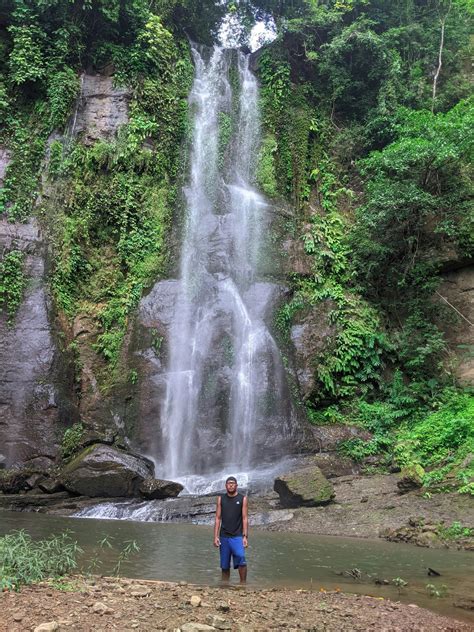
(231, 529)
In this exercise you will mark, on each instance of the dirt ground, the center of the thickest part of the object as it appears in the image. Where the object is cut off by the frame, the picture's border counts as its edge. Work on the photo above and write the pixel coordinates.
(122, 604)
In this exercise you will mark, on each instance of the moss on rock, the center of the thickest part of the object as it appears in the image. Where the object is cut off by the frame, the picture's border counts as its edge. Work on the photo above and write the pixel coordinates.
(305, 487)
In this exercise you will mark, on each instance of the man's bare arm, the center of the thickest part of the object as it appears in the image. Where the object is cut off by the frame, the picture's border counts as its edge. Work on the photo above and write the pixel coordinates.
(217, 523)
(245, 519)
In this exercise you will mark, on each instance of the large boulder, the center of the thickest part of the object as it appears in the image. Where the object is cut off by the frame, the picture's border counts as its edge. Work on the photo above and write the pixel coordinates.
(306, 487)
(157, 489)
(101, 470)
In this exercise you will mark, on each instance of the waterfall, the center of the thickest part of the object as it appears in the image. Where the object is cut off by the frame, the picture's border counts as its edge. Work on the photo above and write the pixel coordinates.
(227, 401)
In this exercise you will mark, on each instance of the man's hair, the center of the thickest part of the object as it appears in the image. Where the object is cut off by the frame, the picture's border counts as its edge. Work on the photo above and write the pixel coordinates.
(230, 478)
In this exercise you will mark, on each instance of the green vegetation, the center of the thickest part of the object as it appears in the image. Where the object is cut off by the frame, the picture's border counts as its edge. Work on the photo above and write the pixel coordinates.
(365, 133)
(72, 440)
(110, 204)
(375, 149)
(26, 561)
(455, 531)
(12, 282)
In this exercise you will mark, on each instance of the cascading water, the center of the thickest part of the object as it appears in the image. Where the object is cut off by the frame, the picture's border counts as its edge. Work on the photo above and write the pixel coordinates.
(226, 400)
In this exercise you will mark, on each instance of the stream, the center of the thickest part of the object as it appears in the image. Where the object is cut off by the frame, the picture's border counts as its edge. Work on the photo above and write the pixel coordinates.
(182, 552)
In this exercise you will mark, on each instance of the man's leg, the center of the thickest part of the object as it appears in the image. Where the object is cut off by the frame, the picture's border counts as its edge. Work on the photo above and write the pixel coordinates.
(226, 575)
(238, 554)
(225, 554)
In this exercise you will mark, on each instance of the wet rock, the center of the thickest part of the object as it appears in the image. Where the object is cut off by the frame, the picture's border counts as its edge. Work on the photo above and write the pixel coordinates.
(33, 480)
(101, 413)
(103, 471)
(34, 383)
(411, 478)
(426, 539)
(50, 486)
(41, 463)
(156, 489)
(15, 481)
(309, 335)
(305, 487)
(297, 259)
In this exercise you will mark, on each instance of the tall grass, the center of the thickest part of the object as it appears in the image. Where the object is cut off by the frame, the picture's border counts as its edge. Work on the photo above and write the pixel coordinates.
(27, 561)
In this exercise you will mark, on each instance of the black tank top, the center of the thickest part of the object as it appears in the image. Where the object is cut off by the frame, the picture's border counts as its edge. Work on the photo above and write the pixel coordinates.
(231, 515)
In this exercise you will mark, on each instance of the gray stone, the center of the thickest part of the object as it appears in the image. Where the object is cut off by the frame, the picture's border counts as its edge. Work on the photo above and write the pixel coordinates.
(33, 480)
(305, 487)
(156, 489)
(196, 627)
(51, 626)
(14, 481)
(195, 601)
(218, 622)
(140, 591)
(50, 486)
(101, 608)
(103, 471)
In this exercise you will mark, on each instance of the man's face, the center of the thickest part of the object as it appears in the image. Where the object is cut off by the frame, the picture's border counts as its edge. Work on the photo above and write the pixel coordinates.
(231, 487)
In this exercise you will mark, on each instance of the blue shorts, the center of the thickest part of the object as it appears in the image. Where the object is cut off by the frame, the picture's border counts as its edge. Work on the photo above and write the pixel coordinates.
(232, 547)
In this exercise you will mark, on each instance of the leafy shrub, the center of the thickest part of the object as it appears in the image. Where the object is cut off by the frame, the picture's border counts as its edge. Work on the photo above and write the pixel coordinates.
(455, 530)
(63, 88)
(71, 440)
(444, 435)
(26, 561)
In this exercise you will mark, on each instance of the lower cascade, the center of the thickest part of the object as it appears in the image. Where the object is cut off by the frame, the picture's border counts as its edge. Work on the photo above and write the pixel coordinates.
(226, 400)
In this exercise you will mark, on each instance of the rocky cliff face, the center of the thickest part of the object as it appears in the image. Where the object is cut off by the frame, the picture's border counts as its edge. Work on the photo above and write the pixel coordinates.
(100, 109)
(34, 385)
(457, 288)
(37, 398)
